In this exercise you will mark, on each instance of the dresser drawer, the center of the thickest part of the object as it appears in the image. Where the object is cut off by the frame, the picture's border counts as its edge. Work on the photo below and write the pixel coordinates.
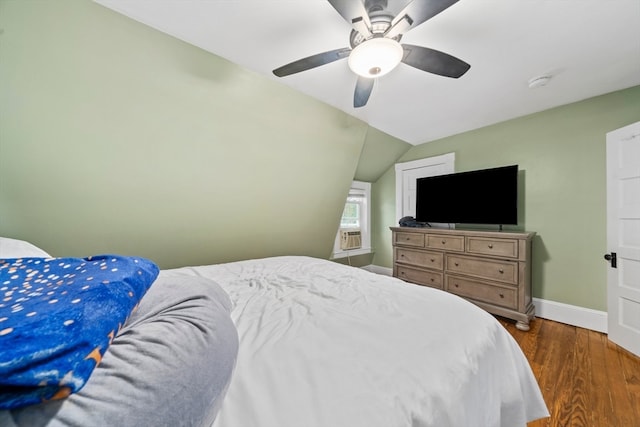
(505, 296)
(503, 271)
(496, 247)
(420, 258)
(449, 243)
(421, 277)
(489, 268)
(409, 239)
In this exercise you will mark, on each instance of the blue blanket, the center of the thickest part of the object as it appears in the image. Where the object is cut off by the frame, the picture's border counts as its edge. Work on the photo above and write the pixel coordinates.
(57, 318)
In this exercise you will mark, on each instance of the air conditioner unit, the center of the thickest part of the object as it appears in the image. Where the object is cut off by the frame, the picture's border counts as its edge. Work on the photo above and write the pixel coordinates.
(350, 239)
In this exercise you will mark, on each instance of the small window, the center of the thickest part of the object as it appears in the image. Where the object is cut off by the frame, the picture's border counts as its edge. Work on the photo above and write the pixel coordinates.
(352, 211)
(355, 218)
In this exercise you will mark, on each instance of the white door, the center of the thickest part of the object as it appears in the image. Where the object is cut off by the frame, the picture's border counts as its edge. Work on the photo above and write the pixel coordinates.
(408, 172)
(623, 236)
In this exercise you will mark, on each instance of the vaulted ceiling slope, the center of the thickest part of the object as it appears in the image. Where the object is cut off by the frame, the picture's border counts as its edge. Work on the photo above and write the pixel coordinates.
(587, 47)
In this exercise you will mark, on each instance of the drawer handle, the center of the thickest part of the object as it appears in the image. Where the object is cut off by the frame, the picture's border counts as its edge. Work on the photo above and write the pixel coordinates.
(501, 271)
(408, 238)
(501, 295)
(456, 264)
(444, 242)
(433, 260)
(456, 285)
(401, 255)
(432, 279)
(490, 246)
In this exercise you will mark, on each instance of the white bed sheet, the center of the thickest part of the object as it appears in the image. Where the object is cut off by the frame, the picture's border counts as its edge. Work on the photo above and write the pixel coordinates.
(326, 345)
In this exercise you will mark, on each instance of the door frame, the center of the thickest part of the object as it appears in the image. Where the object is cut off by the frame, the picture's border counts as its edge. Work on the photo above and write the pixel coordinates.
(446, 161)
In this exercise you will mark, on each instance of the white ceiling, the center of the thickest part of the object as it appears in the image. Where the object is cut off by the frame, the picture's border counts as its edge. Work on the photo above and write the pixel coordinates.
(590, 47)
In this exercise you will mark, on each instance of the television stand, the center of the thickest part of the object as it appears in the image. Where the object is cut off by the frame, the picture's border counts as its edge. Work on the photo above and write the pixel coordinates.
(492, 269)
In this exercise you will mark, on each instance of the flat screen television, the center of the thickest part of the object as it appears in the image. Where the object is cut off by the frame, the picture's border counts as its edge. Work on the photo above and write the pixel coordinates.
(487, 196)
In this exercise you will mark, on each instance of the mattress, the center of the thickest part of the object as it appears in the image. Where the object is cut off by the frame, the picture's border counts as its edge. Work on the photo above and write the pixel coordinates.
(323, 344)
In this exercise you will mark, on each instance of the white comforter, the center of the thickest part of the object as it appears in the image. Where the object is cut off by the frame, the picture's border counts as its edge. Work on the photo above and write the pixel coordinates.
(326, 345)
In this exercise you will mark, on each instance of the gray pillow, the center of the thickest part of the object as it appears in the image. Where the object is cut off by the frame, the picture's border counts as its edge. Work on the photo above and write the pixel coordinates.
(13, 248)
(170, 365)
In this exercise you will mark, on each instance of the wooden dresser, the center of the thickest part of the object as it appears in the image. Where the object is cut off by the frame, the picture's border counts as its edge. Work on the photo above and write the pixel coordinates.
(492, 269)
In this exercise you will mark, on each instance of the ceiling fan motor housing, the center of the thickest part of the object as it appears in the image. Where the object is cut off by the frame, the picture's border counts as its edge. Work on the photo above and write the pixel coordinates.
(379, 24)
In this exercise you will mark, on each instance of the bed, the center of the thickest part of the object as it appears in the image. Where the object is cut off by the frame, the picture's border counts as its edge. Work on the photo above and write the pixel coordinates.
(296, 341)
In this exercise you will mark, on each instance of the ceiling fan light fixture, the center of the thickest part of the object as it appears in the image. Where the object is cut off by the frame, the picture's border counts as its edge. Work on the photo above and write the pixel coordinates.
(375, 57)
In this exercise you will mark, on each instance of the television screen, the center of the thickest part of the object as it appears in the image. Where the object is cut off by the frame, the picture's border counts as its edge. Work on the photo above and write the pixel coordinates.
(487, 196)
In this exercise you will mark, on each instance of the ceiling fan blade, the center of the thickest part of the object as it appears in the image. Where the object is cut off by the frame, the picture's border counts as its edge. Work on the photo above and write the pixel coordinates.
(354, 12)
(434, 61)
(419, 11)
(312, 61)
(364, 86)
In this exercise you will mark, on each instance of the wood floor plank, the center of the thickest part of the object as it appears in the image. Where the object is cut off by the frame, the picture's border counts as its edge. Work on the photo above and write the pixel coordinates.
(624, 409)
(586, 380)
(547, 355)
(581, 377)
(528, 340)
(631, 370)
(602, 412)
(562, 381)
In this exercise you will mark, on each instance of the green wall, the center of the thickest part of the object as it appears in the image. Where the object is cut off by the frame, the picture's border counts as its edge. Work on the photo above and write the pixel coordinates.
(563, 197)
(379, 152)
(115, 137)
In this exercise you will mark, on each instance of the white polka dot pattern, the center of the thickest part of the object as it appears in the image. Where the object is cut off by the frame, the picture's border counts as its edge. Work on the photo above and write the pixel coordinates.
(56, 319)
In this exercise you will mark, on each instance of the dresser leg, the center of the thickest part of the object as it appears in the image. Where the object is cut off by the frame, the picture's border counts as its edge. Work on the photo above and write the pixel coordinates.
(523, 326)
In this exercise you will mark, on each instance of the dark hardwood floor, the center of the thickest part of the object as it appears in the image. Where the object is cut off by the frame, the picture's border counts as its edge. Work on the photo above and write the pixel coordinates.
(585, 379)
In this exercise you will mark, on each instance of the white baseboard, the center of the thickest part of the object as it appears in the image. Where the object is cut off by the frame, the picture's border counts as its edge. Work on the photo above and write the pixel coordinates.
(571, 314)
(559, 312)
(379, 270)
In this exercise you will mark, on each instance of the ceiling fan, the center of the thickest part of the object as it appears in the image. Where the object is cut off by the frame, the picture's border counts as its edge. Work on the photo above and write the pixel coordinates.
(375, 44)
